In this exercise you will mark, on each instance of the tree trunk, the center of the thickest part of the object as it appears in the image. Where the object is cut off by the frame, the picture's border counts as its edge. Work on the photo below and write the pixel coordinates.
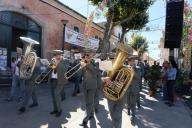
(122, 35)
(105, 43)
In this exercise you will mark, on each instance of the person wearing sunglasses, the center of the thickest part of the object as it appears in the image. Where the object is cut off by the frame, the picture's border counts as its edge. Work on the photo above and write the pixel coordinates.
(90, 73)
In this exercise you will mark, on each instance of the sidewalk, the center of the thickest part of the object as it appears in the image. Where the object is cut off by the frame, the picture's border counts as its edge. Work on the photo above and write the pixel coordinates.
(153, 114)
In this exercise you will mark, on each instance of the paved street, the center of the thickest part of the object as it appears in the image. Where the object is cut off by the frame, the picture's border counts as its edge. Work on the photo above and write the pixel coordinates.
(153, 114)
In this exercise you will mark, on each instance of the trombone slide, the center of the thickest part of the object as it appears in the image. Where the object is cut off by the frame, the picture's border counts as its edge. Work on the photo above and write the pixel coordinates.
(73, 70)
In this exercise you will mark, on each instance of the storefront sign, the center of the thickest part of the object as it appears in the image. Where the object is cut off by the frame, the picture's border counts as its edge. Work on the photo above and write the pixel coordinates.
(78, 39)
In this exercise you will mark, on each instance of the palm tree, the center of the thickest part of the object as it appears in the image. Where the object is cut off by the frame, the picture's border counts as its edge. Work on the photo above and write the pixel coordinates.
(140, 44)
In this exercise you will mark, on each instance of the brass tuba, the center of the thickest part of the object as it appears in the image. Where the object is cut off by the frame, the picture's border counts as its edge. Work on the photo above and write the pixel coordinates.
(29, 59)
(120, 76)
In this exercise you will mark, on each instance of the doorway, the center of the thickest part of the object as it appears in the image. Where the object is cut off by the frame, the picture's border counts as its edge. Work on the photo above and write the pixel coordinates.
(16, 41)
(15, 26)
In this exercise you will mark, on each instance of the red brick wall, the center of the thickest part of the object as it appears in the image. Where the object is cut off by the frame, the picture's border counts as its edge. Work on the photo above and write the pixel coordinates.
(49, 18)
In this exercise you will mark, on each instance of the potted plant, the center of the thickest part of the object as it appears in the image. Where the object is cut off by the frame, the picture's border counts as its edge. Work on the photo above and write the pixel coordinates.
(153, 76)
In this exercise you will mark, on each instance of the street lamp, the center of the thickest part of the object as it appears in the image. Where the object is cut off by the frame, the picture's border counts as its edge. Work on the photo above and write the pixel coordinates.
(64, 25)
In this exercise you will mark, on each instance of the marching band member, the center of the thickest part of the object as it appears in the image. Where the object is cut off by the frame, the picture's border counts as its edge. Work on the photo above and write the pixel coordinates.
(115, 107)
(58, 81)
(89, 83)
(134, 89)
(99, 87)
(76, 78)
(30, 88)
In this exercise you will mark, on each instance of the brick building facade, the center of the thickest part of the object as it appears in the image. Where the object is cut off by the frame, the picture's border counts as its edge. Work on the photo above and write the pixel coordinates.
(47, 15)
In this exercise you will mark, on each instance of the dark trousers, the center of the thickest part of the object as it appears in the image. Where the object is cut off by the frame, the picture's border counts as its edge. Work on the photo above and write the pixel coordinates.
(56, 90)
(77, 88)
(164, 88)
(29, 93)
(170, 90)
(89, 102)
(115, 110)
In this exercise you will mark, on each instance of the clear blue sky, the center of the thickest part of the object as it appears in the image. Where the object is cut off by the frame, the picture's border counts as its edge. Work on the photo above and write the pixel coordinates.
(156, 11)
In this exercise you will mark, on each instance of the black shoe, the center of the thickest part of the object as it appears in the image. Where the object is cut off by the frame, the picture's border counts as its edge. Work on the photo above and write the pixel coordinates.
(33, 105)
(22, 110)
(133, 121)
(91, 117)
(58, 114)
(166, 102)
(129, 111)
(84, 124)
(53, 112)
(96, 110)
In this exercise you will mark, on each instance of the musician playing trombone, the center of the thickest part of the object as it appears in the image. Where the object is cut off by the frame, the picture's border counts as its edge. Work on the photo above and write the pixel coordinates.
(57, 80)
(89, 73)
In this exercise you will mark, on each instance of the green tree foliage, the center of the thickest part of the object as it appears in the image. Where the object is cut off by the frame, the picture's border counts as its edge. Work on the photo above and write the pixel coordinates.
(153, 76)
(138, 22)
(131, 14)
(140, 44)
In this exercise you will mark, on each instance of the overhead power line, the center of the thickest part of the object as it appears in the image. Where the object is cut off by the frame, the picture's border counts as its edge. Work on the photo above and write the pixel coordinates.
(157, 18)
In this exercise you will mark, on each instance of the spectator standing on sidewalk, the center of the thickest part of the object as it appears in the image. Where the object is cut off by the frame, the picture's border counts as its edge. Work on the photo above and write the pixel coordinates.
(172, 72)
(16, 81)
(164, 76)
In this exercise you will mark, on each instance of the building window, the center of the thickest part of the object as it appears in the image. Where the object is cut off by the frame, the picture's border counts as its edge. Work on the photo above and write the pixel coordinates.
(76, 29)
(96, 37)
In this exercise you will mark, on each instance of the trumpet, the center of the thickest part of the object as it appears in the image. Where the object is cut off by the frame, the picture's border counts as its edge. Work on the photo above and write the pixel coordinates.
(75, 69)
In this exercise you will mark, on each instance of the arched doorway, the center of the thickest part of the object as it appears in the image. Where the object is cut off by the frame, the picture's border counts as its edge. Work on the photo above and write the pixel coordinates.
(12, 26)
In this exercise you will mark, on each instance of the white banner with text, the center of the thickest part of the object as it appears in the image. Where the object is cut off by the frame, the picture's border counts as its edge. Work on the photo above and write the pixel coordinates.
(76, 38)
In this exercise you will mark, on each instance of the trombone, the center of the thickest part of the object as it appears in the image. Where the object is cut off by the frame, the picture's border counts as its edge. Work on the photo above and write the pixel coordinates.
(40, 78)
(72, 71)
(52, 65)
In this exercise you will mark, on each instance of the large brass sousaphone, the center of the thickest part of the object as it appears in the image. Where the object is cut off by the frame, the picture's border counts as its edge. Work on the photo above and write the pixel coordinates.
(121, 76)
(29, 59)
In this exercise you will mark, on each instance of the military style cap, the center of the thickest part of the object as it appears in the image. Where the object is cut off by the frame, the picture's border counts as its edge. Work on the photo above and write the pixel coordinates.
(88, 50)
(57, 52)
(134, 55)
(29, 40)
(112, 55)
(125, 48)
